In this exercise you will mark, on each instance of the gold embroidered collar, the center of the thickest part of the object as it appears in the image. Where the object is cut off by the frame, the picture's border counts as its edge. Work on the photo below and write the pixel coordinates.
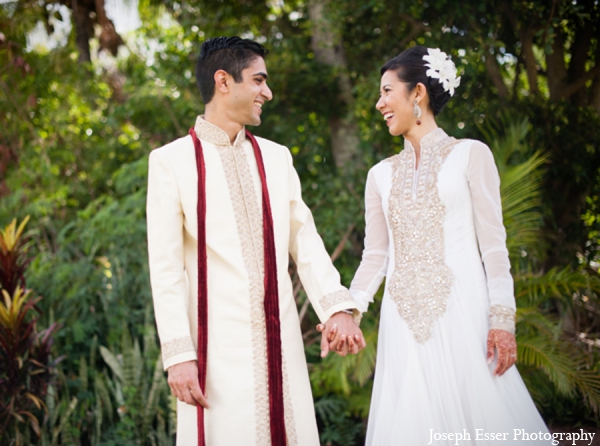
(428, 141)
(215, 135)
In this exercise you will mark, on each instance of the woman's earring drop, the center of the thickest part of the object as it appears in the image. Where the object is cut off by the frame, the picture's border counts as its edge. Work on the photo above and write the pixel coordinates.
(417, 112)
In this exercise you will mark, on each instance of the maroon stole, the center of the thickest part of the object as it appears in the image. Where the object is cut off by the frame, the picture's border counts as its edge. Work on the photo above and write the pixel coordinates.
(271, 302)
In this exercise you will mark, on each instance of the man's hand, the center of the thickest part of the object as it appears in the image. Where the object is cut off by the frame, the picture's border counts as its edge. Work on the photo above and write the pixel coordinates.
(506, 345)
(341, 334)
(183, 381)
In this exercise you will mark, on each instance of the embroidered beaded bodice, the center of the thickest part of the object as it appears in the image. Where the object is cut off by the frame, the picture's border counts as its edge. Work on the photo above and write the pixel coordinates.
(421, 280)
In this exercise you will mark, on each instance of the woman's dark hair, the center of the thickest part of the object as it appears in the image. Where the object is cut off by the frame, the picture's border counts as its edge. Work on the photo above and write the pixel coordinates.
(231, 54)
(410, 68)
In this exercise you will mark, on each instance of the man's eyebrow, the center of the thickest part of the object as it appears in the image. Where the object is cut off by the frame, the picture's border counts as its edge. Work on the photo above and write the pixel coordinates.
(265, 76)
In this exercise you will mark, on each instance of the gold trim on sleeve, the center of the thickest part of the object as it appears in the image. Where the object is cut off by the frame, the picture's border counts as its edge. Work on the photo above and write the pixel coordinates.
(177, 346)
(502, 318)
(337, 297)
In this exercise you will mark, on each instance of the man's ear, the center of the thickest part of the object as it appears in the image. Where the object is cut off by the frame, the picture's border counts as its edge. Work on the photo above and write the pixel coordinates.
(222, 80)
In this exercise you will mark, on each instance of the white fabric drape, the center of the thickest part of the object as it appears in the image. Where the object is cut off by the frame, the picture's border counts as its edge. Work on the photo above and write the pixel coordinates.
(431, 375)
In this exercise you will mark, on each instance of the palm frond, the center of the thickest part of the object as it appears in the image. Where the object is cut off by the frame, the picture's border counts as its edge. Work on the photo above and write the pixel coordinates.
(566, 367)
(588, 384)
(538, 352)
(520, 189)
(365, 360)
(505, 137)
(532, 319)
(328, 407)
(561, 284)
(520, 182)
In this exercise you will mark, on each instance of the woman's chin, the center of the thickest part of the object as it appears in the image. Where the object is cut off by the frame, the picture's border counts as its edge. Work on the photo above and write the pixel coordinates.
(394, 132)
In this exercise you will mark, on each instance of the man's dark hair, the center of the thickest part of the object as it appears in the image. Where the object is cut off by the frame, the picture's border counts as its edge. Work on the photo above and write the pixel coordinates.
(410, 68)
(231, 54)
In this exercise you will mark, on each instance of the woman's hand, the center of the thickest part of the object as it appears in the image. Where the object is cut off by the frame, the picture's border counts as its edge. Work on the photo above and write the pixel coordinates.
(506, 345)
(341, 335)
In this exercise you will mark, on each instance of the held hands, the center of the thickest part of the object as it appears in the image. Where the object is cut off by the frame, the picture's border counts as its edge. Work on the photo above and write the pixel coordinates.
(183, 381)
(506, 345)
(341, 335)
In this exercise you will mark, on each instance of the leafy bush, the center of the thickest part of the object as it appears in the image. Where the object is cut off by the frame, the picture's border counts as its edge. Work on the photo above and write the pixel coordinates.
(26, 363)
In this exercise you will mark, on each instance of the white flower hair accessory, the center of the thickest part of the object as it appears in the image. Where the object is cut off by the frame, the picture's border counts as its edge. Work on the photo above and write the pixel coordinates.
(441, 67)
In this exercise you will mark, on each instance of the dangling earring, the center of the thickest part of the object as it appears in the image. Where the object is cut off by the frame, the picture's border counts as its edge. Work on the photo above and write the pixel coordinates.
(417, 112)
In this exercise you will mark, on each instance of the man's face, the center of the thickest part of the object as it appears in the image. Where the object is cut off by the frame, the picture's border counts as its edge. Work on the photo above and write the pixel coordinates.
(247, 97)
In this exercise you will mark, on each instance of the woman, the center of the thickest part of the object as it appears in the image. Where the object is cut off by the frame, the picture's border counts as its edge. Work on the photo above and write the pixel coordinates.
(434, 228)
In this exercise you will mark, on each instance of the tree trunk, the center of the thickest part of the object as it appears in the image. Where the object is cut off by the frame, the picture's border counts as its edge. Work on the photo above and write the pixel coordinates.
(526, 37)
(595, 94)
(83, 30)
(493, 68)
(579, 58)
(109, 39)
(556, 67)
(327, 46)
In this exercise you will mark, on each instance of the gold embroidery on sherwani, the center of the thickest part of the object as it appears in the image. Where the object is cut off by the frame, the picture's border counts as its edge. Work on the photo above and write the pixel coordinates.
(421, 279)
(249, 221)
(214, 134)
(177, 346)
(337, 297)
(502, 318)
(248, 215)
(290, 422)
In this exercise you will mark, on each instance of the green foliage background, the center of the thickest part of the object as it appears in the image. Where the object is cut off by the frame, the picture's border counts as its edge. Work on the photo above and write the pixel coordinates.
(73, 155)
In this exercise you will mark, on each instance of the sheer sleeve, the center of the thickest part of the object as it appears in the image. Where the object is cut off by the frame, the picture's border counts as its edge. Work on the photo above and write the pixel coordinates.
(484, 184)
(374, 261)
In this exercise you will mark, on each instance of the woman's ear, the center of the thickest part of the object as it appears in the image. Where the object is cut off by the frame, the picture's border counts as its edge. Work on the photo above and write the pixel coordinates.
(420, 92)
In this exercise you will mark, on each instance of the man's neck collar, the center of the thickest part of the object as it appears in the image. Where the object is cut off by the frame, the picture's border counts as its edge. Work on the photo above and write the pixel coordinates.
(215, 134)
(231, 128)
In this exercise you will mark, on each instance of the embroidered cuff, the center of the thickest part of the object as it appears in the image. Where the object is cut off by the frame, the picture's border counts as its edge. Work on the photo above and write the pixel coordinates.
(177, 346)
(337, 297)
(502, 318)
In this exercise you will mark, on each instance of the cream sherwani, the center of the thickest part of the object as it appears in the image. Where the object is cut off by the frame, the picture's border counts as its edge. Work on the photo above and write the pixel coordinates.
(236, 386)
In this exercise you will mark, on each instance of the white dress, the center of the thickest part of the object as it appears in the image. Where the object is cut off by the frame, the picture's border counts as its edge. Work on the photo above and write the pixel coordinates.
(436, 233)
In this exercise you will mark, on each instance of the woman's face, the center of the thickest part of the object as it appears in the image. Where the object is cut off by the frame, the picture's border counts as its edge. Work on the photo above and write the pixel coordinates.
(396, 104)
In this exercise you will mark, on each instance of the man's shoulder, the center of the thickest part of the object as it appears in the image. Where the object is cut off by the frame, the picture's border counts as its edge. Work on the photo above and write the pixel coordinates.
(273, 151)
(174, 149)
(268, 144)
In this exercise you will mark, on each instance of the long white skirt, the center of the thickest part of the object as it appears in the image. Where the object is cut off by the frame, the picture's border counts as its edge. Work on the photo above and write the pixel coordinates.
(443, 392)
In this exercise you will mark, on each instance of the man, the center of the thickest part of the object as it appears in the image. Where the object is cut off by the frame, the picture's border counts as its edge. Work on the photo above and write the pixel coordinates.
(224, 213)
